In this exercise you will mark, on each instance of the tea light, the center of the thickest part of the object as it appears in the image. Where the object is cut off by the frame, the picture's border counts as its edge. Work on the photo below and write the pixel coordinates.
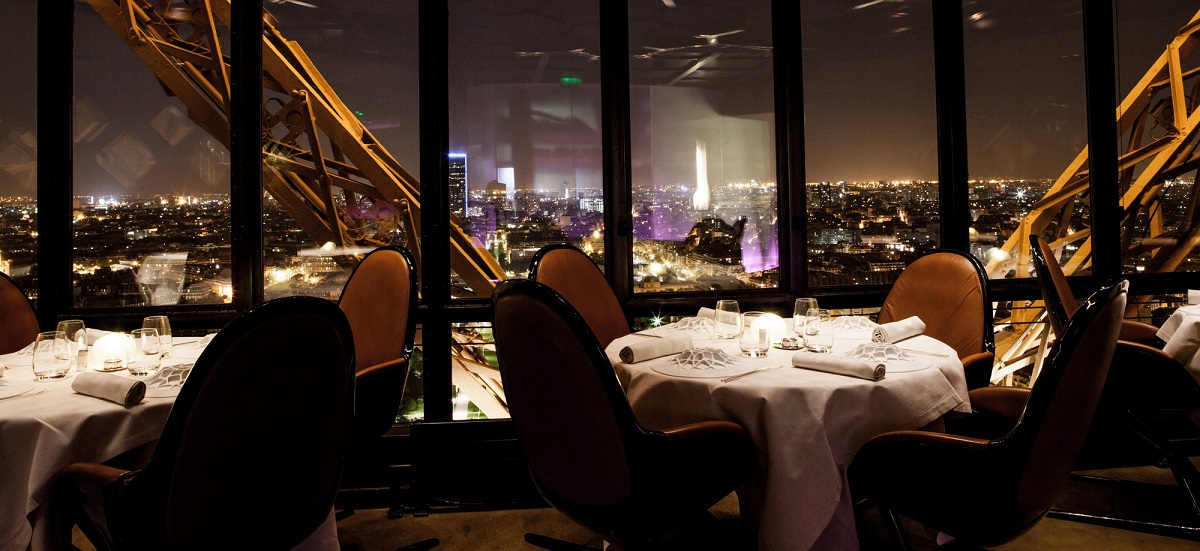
(110, 352)
(774, 325)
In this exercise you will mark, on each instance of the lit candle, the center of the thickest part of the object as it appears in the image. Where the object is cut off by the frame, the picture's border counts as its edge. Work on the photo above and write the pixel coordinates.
(774, 325)
(110, 352)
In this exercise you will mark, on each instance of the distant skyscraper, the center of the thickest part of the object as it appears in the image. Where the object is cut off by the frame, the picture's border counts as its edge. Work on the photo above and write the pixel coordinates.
(458, 184)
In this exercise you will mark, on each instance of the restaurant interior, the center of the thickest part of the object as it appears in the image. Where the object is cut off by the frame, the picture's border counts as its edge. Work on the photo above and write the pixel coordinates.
(581, 274)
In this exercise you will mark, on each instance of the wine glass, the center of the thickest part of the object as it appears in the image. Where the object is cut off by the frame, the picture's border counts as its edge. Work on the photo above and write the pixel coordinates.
(76, 337)
(51, 356)
(146, 354)
(164, 331)
(729, 319)
(803, 305)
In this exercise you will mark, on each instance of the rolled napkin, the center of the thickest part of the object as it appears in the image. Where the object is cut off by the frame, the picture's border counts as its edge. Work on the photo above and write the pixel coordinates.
(114, 388)
(649, 349)
(707, 313)
(840, 365)
(1193, 296)
(897, 331)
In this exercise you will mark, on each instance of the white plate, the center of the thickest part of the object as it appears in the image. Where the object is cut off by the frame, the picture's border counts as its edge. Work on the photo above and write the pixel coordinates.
(675, 370)
(906, 366)
(8, 390)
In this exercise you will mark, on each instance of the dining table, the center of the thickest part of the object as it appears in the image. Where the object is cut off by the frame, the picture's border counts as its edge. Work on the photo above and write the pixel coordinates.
(46, 425)
(1181, 337)
(806, 424)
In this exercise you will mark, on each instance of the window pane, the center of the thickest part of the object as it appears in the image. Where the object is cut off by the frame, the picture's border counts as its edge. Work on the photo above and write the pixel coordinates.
(1026, 123)
(330, 200)
(151, 177)
(870, 139)
(1159, 226)
(705, 203)
(18, 145)
(525, 159)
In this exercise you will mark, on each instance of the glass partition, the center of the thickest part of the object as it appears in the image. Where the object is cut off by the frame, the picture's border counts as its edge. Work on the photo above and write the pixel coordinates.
(870, 139)
(18, 145)
(702, 117)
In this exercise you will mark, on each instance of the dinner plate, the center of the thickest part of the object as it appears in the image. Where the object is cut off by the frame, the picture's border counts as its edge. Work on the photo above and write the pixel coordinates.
(8, 390)
(908, 365)
(676, 370)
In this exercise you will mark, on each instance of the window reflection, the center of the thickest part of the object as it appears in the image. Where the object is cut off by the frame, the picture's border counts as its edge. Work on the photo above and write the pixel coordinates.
(18, 146)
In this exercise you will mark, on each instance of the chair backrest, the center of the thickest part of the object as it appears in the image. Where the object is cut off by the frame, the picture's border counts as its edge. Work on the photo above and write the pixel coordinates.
(1056, 293)
(1046, 441)
(569, 271)
(947, 289)
(252, 452)
(571, 416)
(379, 301)
(16, 317)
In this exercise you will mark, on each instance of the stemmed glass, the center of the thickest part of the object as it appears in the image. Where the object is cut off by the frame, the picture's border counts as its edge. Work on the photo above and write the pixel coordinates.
(76, 337)
(163, 326)
(51, 358)
(728, 319)
(803, 305)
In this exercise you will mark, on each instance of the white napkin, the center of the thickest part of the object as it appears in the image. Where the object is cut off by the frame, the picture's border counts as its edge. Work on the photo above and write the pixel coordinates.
(841, 365)
(1193, 296)
(94, 335)
(648, 349)
(707, 313)
(897, 331)
(114, 388)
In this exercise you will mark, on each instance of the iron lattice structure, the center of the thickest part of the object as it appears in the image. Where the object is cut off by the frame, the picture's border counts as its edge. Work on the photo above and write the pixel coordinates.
(318, 160)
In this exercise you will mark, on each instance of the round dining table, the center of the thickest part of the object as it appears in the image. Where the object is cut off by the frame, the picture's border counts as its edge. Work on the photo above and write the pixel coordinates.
(806, 424)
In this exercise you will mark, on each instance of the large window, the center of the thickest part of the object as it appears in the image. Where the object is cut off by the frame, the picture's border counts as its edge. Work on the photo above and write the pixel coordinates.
(702, 118)
(870, 139)
(18, 145)
(1156, 75)
(151, 183)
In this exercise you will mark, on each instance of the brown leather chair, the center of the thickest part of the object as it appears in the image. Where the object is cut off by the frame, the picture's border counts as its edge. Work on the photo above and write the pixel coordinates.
(587, 454)
(16, 317)
(379, 300)
(987, 491)
(252, 451)
(947, 289)
(569, 271)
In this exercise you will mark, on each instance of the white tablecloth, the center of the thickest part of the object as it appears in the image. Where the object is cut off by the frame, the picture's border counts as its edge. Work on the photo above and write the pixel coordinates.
(40, 434)
(806, 424)
(1181, 333)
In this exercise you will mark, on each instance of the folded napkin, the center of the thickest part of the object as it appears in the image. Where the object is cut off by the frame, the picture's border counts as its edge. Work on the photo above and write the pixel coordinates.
(897, 331)
(1193, 296)
(648, 349)
(707, 313)
(94, 335)
(841, 365)
(114, 388)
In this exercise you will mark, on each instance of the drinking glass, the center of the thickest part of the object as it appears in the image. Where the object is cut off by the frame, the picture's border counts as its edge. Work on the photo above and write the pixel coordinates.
(147, 352)
(76, 337)
(51, 356)
(728, 319)
(755, 340)
(164, 331)
(818, 330)
(803, 305)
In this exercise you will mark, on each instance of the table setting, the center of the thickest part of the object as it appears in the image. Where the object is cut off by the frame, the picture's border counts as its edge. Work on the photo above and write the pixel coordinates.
(80, 394)
(810, 391)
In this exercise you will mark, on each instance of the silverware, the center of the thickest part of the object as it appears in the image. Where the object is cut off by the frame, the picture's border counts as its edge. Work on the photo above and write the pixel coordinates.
(924, 353)
(641, 334)
(749, 373)
(25, 394)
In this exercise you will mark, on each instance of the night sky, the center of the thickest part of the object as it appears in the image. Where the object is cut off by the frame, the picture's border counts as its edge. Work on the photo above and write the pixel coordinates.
(868, 81)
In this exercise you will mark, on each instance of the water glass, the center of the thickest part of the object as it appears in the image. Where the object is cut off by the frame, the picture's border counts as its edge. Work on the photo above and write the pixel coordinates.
(728, 319)
(76, 337)
(164, 331)
(146, 355)
(755, 340)
(51, 356)
(803, 305)
(818, 330)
